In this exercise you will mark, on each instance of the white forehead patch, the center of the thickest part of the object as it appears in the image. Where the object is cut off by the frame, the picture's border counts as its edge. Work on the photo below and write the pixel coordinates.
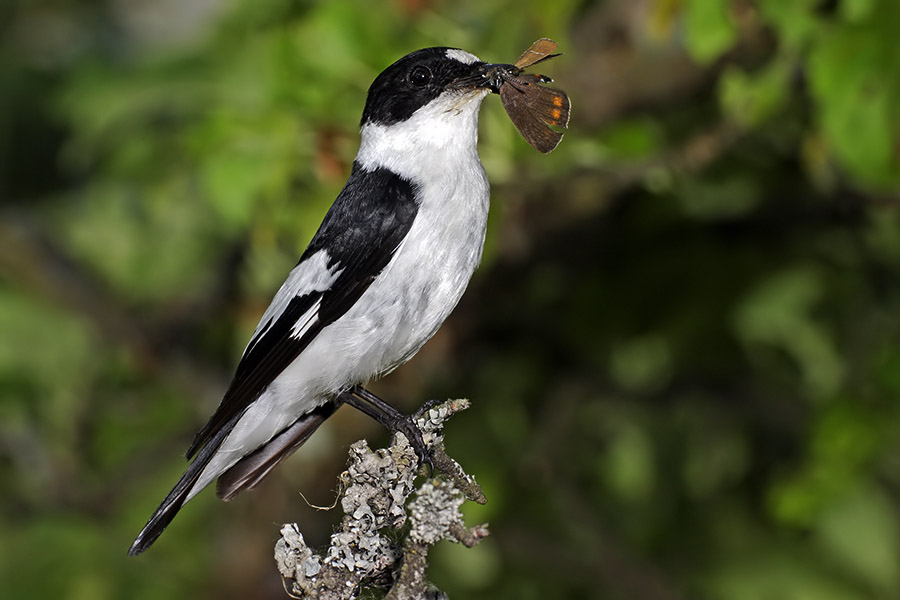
(462, 56)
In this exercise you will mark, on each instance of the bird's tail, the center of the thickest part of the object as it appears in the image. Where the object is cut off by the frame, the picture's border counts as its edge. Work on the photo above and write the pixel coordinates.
(251, 469)
(243, 475)
(180, 493)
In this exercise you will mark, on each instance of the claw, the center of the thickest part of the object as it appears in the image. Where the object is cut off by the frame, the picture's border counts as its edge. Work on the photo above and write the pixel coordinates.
(428, 405)
(407, 426)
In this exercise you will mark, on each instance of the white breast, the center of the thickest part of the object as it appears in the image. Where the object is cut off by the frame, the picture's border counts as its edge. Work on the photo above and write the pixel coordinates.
(436, 149)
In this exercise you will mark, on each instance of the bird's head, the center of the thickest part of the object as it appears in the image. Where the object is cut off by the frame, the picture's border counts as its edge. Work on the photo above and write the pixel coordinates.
(444, 78)
(425, 106)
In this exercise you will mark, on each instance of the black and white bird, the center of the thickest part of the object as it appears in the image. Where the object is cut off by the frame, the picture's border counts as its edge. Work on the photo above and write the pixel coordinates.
(386, 267)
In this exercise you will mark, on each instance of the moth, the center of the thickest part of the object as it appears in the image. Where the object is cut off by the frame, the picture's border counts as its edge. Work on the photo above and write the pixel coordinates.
(533, 107)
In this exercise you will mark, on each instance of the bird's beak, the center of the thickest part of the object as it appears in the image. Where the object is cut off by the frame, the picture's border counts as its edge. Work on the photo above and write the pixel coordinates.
(488, 76)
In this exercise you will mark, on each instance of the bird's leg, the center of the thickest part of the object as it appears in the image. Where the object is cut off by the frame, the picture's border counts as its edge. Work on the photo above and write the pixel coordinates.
(392, 419)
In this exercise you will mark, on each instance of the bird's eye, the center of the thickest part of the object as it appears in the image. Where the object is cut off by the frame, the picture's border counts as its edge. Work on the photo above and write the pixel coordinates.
(420, 76)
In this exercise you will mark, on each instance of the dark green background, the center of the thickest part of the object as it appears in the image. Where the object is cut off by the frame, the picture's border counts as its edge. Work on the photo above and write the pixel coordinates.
(682, 346)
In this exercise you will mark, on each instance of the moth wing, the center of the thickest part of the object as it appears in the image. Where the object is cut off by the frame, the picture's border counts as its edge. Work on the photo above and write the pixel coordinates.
(550, 104)
(539, 51)
(534, 108)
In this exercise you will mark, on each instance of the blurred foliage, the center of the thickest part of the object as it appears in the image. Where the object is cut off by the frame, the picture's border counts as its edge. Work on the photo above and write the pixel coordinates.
(683, 346)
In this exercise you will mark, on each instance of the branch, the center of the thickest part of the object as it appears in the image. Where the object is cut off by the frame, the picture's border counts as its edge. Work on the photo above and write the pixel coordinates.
(377, 485)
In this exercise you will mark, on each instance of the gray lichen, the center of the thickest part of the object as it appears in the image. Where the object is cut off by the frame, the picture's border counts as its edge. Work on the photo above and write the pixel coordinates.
(376, 496)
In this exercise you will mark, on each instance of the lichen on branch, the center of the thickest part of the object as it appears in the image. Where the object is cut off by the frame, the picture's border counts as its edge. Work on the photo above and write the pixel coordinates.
(378, 485)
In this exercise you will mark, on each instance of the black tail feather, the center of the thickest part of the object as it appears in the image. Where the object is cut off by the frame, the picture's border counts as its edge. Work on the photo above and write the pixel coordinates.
(177, 497)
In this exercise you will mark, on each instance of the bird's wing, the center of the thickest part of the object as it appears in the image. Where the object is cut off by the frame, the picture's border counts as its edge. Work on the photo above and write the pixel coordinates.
(359, 235)
(251, 469)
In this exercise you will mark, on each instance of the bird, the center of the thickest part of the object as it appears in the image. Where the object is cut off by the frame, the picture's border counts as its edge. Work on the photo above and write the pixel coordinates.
(389, 262)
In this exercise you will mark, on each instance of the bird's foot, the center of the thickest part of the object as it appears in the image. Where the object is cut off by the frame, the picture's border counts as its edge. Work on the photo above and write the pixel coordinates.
(428, 405)
(406, 424)
(392, 419)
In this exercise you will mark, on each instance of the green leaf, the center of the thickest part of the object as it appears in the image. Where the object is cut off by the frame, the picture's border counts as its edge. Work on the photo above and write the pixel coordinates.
(855, 11)
(779, 313)
(709, 31)
(711, 199)
(633, 138)
(795, 22)
(752, 98)
(233, 184)
(774, 573)
(861, 533)
(628, 463)
(858, 104)
(642, 364)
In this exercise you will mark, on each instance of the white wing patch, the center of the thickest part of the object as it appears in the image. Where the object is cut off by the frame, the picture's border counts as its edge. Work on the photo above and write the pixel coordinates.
(462, 56)
(312, 275)
(308, 319)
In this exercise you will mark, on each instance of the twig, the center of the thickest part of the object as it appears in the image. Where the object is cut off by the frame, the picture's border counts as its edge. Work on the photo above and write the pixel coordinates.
(377, 485)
